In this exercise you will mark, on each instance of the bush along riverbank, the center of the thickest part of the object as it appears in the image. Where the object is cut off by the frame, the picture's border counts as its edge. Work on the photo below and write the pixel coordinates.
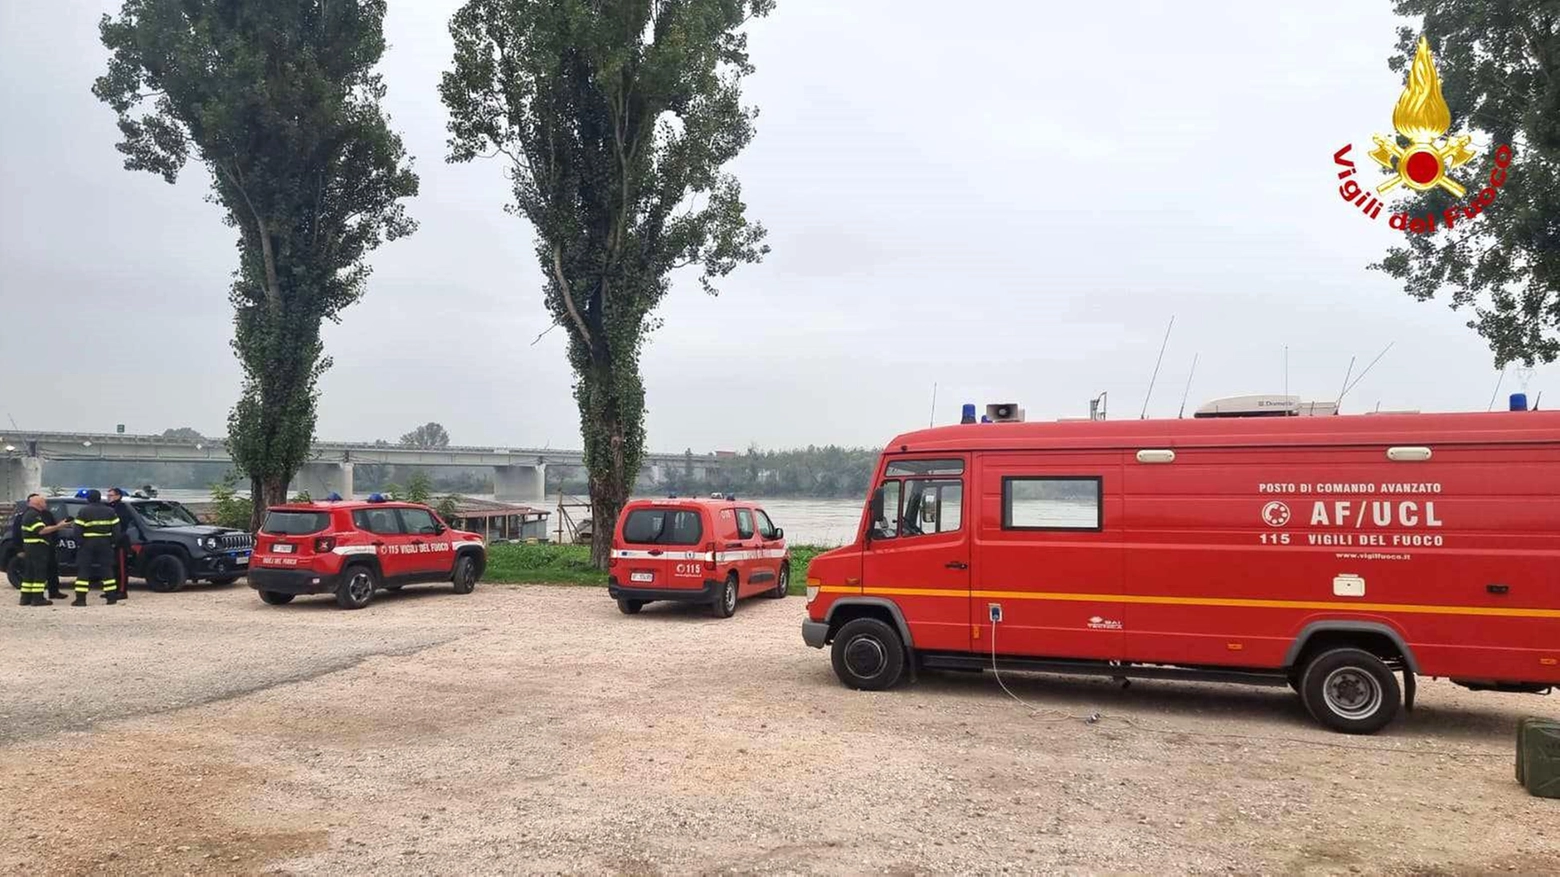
(513, 563)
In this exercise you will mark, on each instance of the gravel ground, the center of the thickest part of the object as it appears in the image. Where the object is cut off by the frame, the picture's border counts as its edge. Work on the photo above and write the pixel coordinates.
(536, 729)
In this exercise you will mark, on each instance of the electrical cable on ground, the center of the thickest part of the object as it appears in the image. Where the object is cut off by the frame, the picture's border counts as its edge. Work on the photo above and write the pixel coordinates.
(1052, 716)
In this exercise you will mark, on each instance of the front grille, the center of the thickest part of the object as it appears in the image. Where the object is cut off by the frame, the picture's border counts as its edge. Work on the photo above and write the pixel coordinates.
(234, 542)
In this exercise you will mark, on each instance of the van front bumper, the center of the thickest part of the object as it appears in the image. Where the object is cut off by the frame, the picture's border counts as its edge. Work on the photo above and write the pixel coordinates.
(705, 594)
(815, 633)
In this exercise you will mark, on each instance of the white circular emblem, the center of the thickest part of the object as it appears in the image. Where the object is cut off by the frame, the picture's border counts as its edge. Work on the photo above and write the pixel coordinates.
(1275, 514)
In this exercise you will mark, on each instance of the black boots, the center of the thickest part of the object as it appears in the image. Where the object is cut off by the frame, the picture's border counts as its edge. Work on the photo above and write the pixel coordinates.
(26, 598)
(40, 600)
(81, 599)
(112, 597)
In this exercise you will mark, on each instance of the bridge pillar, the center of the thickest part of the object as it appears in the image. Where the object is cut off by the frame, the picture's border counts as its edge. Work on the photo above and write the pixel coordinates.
(323, 479)
(20, 476)
(520, 483)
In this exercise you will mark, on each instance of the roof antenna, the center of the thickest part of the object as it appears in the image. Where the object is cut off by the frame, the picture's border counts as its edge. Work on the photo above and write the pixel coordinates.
(1537, 398)
(1498, 382)
(1286, 371)
(1182, 413)
(1357, 380)
(932, 421)
(1338, 406)
(1151, 380)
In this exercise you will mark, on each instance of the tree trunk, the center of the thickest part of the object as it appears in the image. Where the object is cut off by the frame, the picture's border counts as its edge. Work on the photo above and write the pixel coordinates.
(612, 420)
(264, 493)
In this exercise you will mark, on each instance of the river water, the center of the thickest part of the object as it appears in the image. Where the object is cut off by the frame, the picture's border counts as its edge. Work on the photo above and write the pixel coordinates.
(805, 521)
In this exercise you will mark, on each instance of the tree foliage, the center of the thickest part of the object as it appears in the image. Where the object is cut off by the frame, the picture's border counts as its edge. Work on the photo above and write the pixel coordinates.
(231, 510)
(280, 102)
(616, 118)
(183, 434)
(429, 435)
(1499, 62)
(419, 488)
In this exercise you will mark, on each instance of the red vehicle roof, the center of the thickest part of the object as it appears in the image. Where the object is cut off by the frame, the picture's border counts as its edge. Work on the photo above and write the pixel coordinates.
(348, 504)
(1407, 429)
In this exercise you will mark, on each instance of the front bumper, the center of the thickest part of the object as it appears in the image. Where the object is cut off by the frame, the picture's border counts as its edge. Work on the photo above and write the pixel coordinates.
(706, 594)
(293, 581)
(218, 565)
(815, 633)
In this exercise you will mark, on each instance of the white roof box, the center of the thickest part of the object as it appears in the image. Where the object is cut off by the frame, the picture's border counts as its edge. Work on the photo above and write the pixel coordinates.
(1265, 406)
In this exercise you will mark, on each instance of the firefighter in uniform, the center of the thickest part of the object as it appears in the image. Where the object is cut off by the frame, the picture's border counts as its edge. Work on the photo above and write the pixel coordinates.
(37, 550)
(116, 501)
(95, 565)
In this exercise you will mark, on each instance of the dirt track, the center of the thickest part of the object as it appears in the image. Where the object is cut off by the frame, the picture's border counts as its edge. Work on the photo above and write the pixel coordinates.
(536, 729)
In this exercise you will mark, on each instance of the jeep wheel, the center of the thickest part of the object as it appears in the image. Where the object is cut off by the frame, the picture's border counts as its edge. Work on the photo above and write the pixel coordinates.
(868, 654)
(630, 607)
(725, 604)
(276, 598)
(166, 574)
(465, 577)
(1350, 690)
(783, 586)
(13, 570)
(357, 587)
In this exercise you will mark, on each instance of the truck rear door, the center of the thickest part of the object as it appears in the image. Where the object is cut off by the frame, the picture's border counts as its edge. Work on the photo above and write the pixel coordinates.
(662, 546)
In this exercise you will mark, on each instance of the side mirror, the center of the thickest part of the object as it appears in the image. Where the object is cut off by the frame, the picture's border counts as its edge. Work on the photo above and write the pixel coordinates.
(438, 529)
(779, 532)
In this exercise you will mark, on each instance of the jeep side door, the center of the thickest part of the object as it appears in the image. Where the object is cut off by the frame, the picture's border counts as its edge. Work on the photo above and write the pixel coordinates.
(66, 541)
(430, 556)
(771, 550)
(389, 540)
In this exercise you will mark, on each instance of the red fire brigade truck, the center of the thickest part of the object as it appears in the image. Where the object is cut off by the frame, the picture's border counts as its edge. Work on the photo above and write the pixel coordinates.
(1323, 552)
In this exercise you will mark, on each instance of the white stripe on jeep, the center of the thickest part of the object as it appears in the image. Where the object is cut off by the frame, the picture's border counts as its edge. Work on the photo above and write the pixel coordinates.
(353, 549)
(467, 544)
(630, 554)
(721, 557)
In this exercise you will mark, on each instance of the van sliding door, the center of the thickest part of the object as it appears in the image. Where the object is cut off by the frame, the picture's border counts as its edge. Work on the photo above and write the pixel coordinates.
(1049, 555)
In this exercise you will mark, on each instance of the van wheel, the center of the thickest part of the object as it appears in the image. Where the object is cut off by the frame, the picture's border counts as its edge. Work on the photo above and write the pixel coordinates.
(357, 587)
(166, 573)
(868, 655)
(1350, 690)
(630, 607)
(725, 604)
(783, 586)
(465, 575)
(276, 598)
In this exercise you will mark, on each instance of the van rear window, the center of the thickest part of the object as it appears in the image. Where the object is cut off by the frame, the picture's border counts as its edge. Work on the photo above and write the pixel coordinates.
(294, 523)
(663, 527)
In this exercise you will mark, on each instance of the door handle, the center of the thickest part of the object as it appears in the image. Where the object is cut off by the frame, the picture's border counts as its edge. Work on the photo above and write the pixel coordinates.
(379, 544)
(733, 544)
(655, 552)
(956, 564)
(1497, 589)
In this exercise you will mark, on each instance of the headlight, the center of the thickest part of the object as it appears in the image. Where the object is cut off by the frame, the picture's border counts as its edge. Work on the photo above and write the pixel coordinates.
(209, 543)
(812, 589)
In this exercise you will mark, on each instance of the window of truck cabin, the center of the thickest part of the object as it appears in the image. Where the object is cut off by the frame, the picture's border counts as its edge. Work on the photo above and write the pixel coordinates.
(1052, 502)
(744, 524)
(918, 498)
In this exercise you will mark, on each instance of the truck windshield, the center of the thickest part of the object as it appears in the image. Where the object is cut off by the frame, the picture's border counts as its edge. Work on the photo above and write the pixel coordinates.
(162, 513)
(663, 527)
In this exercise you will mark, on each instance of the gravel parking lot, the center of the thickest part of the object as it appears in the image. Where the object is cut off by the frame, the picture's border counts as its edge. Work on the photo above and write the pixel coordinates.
(535, 729)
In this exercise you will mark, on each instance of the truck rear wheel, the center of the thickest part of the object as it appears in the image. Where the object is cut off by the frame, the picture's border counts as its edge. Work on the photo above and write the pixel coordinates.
(276, 598)
(357, 587)
(868, 655)
(725, 604)
(1350, 690)
(630, 607)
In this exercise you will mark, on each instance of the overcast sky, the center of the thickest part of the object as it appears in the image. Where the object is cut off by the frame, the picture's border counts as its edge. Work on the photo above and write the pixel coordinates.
(1009, 200)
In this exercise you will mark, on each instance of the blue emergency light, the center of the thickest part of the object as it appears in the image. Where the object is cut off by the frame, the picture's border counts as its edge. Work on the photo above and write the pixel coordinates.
(81, 493)
(969, 413)
(1518, 401)
(333, 497)
(377, 497)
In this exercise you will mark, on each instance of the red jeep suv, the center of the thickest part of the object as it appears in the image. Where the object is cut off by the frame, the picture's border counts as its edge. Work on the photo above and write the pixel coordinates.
(353, 548)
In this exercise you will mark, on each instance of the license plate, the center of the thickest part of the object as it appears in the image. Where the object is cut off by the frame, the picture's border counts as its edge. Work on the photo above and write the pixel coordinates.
(280, 548)
(242, 558)
(642, 577)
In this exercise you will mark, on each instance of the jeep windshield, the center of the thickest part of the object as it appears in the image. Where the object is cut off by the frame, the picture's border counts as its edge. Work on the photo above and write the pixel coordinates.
(162, 513)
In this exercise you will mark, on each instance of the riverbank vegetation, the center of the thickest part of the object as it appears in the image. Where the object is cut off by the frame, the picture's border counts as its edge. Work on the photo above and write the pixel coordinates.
(550, 564)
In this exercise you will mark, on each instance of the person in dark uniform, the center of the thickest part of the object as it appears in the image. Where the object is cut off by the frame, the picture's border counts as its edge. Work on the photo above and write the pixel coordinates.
(52, 580)
(37, 550)
(95, 558)
(116, 501)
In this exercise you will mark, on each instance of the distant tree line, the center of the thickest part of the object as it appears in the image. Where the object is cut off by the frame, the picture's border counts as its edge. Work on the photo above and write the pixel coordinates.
(824, 472)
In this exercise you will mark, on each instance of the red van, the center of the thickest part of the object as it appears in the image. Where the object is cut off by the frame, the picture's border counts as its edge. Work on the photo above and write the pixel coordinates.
(1322, 552)
(712, 551)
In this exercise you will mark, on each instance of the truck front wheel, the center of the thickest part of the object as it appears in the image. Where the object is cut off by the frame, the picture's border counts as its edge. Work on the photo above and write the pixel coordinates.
(868, 654)
(1350, 690)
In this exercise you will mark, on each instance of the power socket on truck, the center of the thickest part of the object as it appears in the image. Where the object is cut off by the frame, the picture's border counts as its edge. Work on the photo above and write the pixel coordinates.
(995, 611)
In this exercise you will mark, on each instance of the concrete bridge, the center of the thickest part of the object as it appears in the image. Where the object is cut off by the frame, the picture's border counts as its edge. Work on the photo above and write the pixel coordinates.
(519, 474)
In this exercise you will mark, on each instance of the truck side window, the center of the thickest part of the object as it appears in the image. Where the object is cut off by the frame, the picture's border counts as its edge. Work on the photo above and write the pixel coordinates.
(1052, 503)
(766, 527)
(744, 524)
(932, 507)
(885, 511)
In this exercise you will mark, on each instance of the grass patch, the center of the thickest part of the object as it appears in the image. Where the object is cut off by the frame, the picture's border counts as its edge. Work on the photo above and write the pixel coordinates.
(520, 564)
